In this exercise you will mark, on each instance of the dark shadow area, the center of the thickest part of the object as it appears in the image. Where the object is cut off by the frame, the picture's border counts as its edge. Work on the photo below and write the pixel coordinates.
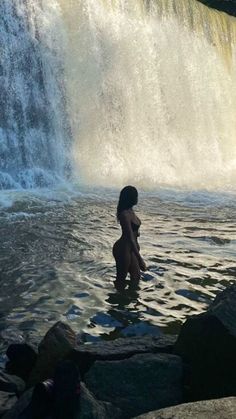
(228, 6)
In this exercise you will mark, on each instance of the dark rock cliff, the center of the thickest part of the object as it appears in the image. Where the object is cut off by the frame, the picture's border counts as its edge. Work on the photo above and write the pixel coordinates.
(228, 6)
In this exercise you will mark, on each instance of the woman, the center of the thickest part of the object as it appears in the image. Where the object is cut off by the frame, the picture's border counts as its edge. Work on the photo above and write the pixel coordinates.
(126, 249)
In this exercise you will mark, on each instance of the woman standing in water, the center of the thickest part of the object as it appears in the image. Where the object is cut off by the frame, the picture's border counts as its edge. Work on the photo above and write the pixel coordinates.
(126, 249)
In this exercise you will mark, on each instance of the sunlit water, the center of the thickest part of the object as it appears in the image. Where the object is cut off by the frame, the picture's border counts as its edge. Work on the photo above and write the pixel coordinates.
(56, 262)
(124, 86)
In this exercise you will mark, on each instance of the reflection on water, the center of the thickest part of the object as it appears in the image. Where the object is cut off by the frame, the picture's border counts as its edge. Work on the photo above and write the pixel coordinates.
(56, 263)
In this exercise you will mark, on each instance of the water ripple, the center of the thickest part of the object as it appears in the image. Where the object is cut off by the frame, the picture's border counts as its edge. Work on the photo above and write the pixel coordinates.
(56, 264)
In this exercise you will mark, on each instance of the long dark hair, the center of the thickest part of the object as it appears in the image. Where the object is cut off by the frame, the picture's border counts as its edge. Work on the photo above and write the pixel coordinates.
(128, 198)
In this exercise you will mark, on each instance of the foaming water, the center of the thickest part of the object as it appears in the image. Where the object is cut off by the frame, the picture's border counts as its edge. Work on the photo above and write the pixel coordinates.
(144, 106)
(56, 262)
(117, 91)
(34, 131)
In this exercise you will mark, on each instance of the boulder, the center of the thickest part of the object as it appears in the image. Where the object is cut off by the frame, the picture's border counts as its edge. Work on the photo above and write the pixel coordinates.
(55, 346)
(207, 344)
(139, 384)
(85, 355)
(20, 406)
(89, 408)
(10, 387)
(11, 383)
(7, 400)
(21, 360)
(219, 409)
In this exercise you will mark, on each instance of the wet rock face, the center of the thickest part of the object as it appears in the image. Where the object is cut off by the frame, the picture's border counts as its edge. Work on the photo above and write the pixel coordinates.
(138, 384)
(207, 345)
(59, 341)
(228, 6)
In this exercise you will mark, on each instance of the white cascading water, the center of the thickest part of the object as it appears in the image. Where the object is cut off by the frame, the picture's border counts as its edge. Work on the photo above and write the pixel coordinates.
(152, 92)
(33, 126)
(150, 89)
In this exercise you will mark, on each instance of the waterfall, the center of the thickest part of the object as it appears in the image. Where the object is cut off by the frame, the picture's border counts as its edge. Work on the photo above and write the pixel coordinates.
(128, 91)
(33, 118)
(152, 93)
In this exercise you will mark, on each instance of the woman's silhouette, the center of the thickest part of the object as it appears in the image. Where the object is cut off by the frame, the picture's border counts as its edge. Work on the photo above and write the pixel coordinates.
(126, 249)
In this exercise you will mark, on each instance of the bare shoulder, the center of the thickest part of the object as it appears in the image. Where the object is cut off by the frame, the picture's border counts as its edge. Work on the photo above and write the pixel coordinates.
(125, 215)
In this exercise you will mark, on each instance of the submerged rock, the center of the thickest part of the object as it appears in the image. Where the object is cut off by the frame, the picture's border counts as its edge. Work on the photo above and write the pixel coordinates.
(218, 409)
(207, 344)
(139, 384)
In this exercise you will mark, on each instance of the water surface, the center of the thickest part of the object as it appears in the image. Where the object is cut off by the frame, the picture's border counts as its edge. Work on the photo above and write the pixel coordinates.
(56, 262)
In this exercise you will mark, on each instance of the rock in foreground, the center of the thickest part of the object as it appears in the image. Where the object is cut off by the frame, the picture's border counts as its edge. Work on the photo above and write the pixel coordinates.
(85, 355)
(55, 346)
(207, 344)
(21, 360)
(217, 409)
(139, 384)
(89, 408)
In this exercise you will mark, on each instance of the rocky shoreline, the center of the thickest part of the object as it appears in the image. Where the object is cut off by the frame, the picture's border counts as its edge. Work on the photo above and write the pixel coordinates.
(185, 376)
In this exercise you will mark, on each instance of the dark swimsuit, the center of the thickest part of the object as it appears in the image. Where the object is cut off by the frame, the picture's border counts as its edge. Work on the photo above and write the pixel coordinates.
(135, 227)
(117, 250)
(123, 253)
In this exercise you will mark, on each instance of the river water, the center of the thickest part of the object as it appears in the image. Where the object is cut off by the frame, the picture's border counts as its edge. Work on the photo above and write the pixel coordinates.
(56, 261)
(107, 93)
